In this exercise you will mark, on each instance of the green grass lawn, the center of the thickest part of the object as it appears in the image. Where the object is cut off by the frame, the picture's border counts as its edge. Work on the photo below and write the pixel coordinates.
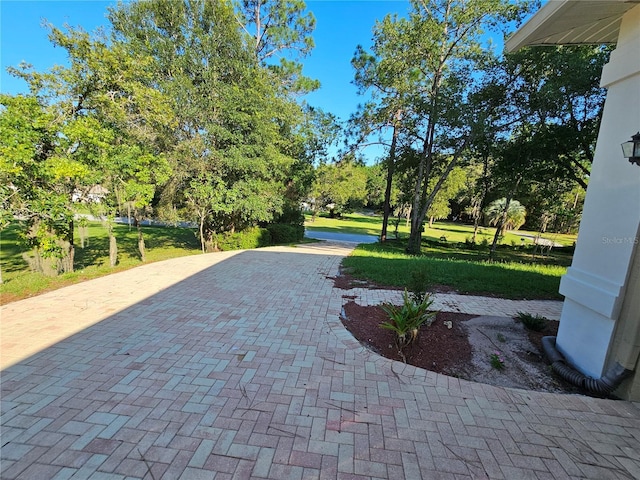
(453, 232)
(514, 274)
(91, 261)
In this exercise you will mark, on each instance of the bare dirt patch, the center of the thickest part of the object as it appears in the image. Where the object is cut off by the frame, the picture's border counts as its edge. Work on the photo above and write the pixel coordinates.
(461, 345)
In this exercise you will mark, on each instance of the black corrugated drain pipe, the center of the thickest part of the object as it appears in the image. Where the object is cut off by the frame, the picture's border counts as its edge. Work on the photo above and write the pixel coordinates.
(604, 385)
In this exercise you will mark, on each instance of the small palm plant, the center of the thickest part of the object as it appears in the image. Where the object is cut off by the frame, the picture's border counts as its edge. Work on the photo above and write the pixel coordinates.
(515, 218)
(405, 321)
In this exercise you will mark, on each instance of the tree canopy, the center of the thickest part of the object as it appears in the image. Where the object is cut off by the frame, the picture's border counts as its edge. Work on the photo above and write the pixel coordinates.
(194, 110)
(174, 110)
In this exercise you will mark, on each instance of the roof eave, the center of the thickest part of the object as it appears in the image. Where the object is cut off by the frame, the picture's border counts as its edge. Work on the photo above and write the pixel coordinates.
(589, 26)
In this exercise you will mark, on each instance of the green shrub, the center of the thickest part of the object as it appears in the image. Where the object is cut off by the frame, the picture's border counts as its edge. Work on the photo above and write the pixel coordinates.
(291, 214)
(288, 227)
(254, 237)
(405, 321)
(535, 323)
(469, 243)
(418, 285)
(497, 360)
(285, 233)
(568, 249)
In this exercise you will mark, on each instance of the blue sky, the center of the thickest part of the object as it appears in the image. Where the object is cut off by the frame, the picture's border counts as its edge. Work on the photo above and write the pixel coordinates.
(340, 26)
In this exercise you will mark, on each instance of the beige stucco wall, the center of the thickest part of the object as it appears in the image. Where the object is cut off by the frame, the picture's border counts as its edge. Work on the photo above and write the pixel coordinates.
(595, 286)
(625, 348)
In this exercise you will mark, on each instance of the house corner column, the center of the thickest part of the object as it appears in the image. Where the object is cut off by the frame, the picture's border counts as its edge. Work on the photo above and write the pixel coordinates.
(595, 284)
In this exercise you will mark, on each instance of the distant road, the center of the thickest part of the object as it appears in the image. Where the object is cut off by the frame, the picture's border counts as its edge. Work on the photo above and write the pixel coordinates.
(340, 237)
(319, 235)
(144, 223)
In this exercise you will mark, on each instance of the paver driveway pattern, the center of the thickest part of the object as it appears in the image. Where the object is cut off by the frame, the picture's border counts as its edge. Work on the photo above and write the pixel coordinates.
(236, 365)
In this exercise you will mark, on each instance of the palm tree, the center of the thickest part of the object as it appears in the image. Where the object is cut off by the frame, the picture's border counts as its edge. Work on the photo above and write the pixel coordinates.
(516, 214)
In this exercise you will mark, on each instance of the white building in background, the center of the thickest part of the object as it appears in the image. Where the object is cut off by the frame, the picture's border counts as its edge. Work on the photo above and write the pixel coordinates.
(600, 322)
(95, 194)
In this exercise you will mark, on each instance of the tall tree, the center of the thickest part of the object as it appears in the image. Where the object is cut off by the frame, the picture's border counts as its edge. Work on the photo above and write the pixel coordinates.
(99, 106)
(40, 166)
(280, 29)
(236, 127)
(446, 45)
(440, 207)
(556, 92)
(340, 186)
(434, 57)
(126, 119)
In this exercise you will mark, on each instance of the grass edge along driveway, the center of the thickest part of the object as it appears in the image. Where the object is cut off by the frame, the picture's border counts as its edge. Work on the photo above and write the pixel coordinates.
(513, 280)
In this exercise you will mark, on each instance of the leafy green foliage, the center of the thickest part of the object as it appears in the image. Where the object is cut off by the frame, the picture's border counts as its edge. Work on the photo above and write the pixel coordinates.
(38, 174)
(282, 233)
(558, 99)
(418, 285)
(440, 206)
(423, 70)
(177, 110)
(280, 28)
(405, 321)
(515, 214)
(551, 105)
(249, 238)
(497, 360)
(242, 146)
(340, 187)
(536, 322)
(105, 121)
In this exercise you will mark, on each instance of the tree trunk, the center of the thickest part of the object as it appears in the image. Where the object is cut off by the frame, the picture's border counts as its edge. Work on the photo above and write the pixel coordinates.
(85, 235)
(415, 235)
(430, 222)
(420, 201)
(477, 216)
(503, 219)
(477, 211)
(67, 262)
(202, 233)
(387, 201)
(415, 240)
(396, 223)
(387, 191)
(422, 204)
(113, 245)
(141, 248)
(113, 250)
(499, 228)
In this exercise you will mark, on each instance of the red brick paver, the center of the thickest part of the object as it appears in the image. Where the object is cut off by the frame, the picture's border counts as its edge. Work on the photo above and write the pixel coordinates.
(235, 365)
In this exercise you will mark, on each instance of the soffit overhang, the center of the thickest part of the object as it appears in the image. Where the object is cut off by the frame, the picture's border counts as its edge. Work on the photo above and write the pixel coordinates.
(572, 22)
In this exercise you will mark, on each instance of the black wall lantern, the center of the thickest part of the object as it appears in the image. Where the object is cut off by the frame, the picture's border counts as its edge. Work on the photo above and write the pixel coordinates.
(631, 149)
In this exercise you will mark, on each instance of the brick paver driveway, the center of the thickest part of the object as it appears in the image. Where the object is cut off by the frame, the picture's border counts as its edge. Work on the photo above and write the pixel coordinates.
(236, 366)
